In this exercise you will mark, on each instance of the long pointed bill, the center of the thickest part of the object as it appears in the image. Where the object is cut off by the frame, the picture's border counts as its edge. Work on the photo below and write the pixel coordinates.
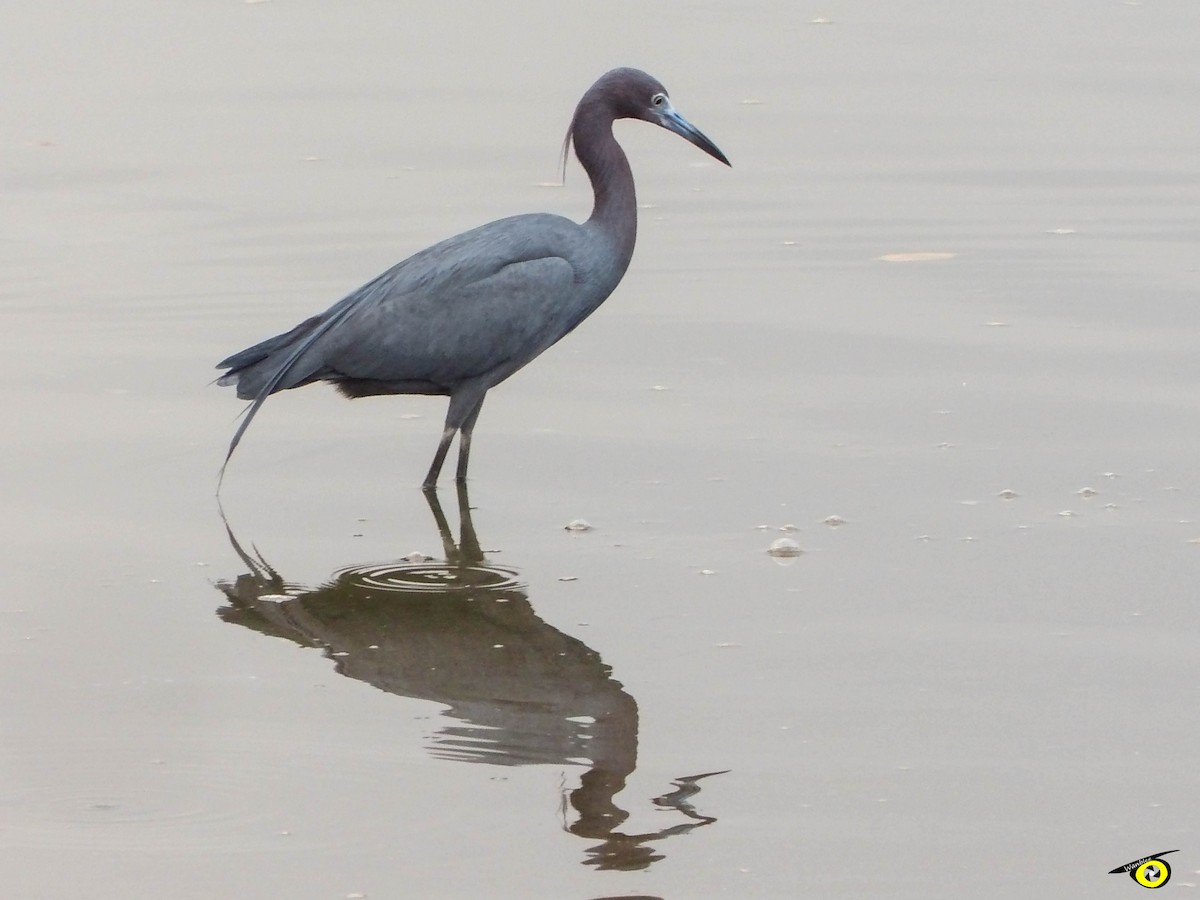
(670, 119)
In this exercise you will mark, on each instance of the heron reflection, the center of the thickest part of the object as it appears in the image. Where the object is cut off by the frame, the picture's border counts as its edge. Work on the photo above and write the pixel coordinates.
(462, 633)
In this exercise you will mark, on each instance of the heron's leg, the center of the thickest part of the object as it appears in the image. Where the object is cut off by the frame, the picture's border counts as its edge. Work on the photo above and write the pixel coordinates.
(460, 417)
(438, 458)
(464, 441)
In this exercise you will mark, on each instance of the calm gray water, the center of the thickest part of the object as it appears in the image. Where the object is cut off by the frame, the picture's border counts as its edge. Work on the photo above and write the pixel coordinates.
(947, 294)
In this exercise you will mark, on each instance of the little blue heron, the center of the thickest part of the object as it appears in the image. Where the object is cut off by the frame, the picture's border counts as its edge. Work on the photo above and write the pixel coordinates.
(461, 316)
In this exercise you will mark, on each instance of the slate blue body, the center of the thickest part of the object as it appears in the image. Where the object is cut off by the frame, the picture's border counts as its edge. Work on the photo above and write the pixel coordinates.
(461, 316)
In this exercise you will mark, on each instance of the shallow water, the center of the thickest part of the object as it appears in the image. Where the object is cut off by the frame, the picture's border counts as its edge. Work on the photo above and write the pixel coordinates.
(955, 257)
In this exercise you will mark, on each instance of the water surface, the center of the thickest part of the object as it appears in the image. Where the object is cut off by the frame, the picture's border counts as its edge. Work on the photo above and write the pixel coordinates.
(946, 294)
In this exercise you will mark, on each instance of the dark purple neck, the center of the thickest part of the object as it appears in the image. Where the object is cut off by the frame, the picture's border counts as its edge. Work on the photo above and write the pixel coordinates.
(615, 209)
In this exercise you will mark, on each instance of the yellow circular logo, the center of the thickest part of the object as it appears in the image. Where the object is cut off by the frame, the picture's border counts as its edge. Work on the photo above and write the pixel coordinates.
(1153, 873)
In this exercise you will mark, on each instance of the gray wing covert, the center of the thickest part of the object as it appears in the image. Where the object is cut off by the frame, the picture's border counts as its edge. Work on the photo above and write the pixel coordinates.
(446, 330)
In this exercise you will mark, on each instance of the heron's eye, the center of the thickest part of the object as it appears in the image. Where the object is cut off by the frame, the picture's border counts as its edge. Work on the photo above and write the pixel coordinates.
(658, 99)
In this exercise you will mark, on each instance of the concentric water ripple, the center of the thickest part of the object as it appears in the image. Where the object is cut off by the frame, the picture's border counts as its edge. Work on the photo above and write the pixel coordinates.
(429, 578)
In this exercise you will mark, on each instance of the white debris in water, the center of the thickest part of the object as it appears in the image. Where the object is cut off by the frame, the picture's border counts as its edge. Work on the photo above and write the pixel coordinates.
(784, 548)
(416, 556)
(821, 20)
(1061, 231)
(996, 324)
(582, 720)
(708, 571)
(1067, 513)
(578, 526)
(568, 578)
(659, 387)
(789, 527)
(833, 521)
(274, 598)
(923, 256)
(1087, 492)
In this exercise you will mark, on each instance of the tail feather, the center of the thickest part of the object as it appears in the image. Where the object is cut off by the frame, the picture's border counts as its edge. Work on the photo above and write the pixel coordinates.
(258, 381)
(244, 370)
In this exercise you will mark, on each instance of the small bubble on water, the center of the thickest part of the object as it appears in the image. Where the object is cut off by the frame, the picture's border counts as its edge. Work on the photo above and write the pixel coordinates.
(789, 527)
(1087, 492)
(833, 521)
(568, 578)
(416, 556)
(1067, 513)
(1008, 494)
(578, 526)
(1061, 231)
(784, 548)
(708, 571)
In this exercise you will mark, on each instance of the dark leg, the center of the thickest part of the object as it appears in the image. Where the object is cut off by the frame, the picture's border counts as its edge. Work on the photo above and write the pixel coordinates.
(460, 418)
(464, 442)
(438, 458)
